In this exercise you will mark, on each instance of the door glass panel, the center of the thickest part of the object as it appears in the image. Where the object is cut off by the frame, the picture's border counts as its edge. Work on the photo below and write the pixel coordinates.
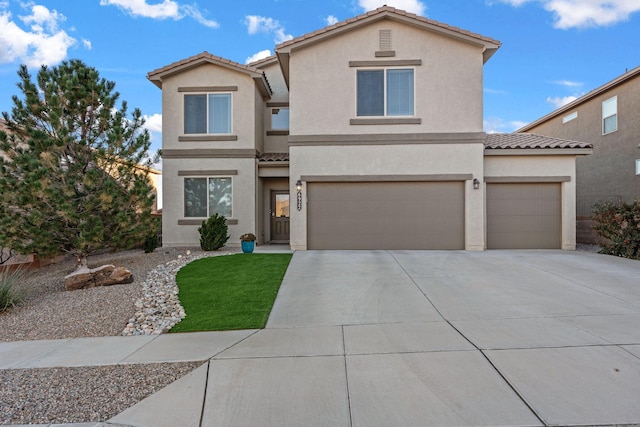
(282, 205)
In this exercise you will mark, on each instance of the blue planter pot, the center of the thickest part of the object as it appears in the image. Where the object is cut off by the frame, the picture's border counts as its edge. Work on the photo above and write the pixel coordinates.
(247, 247)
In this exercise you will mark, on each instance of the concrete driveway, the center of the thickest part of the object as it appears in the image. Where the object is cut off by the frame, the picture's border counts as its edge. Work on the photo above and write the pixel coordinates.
(410, 338)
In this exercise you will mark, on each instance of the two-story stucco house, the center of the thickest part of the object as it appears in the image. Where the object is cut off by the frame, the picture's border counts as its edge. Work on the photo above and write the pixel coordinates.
(366, 134)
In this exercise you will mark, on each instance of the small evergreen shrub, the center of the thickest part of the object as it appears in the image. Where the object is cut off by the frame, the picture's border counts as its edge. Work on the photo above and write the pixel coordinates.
(151, 242)
(213, 233)
(11, 291)
(619, 224)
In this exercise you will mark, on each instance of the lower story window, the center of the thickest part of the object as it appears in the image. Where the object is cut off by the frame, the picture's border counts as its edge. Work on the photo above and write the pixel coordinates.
(204, 197)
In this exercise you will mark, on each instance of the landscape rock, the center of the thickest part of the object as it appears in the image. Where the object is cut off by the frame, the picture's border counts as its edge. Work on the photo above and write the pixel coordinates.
(106, 275)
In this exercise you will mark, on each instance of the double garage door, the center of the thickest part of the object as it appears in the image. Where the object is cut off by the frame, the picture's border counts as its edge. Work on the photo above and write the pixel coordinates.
(385, 215)
(429, 215)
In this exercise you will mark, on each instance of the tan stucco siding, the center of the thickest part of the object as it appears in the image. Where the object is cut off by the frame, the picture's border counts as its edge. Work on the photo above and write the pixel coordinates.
(276, 81)
(543, 168)
(448, 83)
(243, 198)
(391, 160)
(243, 106)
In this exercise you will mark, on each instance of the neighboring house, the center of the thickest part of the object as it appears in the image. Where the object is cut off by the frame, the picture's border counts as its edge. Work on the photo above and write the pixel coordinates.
(367, 134)
(608, 118)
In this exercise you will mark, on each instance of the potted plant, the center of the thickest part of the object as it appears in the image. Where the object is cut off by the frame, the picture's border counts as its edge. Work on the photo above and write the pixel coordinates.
(248, 242)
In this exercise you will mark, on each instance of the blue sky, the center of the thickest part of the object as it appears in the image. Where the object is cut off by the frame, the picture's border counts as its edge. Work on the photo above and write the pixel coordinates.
(552, 50)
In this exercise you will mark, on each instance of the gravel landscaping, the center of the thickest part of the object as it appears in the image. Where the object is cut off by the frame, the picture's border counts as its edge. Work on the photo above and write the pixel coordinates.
(88, 394)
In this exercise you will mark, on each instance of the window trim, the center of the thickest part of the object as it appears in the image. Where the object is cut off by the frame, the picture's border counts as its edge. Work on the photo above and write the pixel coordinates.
(207, 94)
(610, 115)
(207, 177)
(384, 69)
(637, 166)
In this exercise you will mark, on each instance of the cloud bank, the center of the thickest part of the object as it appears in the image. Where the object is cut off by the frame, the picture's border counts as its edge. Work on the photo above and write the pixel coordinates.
(168, 9)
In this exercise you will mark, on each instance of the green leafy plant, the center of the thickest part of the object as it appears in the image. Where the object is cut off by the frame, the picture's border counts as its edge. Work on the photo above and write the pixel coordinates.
(619, 224)
(12, 291)
(248, 237)
(213, 233)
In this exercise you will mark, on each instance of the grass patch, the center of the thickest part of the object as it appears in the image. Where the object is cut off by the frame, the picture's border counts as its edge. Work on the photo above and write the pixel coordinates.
(229, 292)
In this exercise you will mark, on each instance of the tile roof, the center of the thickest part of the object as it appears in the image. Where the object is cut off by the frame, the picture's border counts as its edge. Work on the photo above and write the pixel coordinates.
(274, 157)
(387, 10)
(506, 141)
(207, 56)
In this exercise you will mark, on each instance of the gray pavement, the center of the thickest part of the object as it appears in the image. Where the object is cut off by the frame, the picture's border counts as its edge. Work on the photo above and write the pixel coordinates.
(402, 338)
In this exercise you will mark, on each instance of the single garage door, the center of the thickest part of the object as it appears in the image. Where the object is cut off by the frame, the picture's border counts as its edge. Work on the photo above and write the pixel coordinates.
(385, 215)
(524, 216)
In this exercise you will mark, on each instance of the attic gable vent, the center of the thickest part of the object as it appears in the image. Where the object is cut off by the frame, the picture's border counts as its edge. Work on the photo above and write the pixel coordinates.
(386, 48)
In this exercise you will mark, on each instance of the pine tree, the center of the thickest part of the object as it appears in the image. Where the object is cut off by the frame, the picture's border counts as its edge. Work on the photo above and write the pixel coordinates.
(73, 166)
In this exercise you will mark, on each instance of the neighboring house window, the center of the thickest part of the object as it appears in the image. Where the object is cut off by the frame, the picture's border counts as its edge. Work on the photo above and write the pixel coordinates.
(638, 167)
(204, 197)
(280, 119)
(207, 113)
(610, 115)
(570, 117)
(388, 92)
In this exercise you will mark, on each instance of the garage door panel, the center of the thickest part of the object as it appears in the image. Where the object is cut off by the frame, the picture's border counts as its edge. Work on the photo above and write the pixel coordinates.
(386, 215)
(524, 216)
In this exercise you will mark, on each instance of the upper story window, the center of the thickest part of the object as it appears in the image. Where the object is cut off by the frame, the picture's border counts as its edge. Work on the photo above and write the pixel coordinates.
(385, 92)
(207, 113)
(610, 115)
(280, 118)
(570, 117)
(204, 197)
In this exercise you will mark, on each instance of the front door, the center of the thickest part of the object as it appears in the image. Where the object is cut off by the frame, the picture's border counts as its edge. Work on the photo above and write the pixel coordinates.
(280, 216)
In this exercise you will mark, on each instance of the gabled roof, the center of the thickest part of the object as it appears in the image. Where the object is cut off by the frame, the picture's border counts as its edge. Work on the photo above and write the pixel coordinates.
(532, 141)
(283, 50)
(585, 98)
(157, 76)
(264, 61)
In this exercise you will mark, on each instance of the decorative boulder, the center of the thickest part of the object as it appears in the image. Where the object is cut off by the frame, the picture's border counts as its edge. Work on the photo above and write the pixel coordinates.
(105, 275)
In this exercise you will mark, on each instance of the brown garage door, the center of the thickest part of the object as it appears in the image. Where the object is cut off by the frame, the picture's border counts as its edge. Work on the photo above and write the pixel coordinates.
(524, 216)
(385, 215)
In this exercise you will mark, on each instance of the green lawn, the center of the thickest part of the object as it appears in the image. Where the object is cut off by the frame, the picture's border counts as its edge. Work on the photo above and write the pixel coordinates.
(229, 292)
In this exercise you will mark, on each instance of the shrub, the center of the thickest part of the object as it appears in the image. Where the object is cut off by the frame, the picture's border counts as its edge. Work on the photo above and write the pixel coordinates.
(151, 242)
(248, 237)
(213, 233)
(619, 224)
(11, 291)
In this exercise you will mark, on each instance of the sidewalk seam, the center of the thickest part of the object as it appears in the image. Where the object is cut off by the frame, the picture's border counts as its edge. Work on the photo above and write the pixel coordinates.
(204, 396)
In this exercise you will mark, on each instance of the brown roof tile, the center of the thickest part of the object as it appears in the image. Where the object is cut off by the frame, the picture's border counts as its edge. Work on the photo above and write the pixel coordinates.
(203, 55)
(386, 10)
(502, 141)
(274, 157)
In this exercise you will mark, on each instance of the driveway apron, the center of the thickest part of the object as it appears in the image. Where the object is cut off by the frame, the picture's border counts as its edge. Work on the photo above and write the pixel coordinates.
(415, 338)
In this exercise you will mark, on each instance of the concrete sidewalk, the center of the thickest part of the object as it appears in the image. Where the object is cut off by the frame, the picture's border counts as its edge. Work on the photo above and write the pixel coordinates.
(411, 338)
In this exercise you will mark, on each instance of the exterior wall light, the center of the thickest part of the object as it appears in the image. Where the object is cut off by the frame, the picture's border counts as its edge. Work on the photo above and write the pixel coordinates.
(476, 183)
(299, 195)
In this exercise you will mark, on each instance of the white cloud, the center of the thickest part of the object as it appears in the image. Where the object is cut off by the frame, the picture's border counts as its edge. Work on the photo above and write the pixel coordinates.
(330, 20)
(43, 44)
(258, 56)
(568, 83)
(412, 6)
(561, 101)
(261, 24)
(87, 44)
(498, 125)
(168, 9)
(153, 122)
(585, 13)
